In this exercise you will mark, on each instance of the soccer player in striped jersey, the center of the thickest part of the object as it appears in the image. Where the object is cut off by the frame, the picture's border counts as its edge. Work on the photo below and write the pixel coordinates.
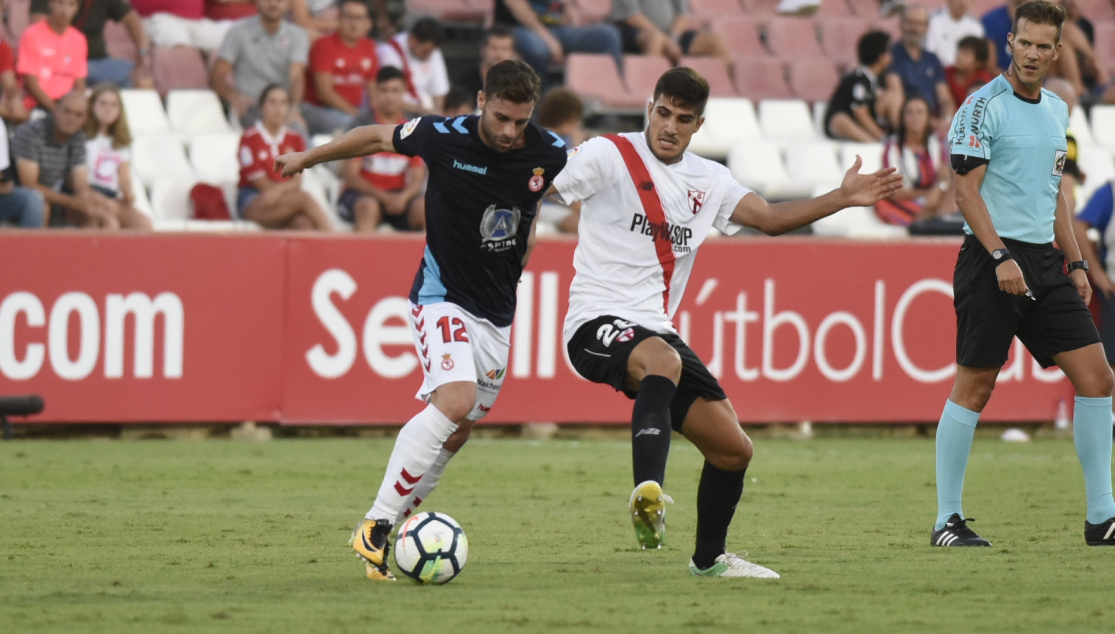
(647, 206)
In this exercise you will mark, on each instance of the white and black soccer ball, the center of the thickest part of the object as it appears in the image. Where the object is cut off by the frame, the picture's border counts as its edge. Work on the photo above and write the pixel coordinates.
(431, 548)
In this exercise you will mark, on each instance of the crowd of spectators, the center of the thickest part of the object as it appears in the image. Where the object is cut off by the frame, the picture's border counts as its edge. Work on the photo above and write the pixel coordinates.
(288, 69)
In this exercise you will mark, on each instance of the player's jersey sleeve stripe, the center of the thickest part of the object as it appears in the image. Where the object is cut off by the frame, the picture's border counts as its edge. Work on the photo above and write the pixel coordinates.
(652, 206)
(433, 289)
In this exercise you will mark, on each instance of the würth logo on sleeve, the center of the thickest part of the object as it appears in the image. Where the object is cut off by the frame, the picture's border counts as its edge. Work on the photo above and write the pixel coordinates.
(696, 200)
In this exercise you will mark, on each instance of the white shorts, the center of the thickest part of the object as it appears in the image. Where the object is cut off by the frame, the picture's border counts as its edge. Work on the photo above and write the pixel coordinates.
(167, 29)
(454, 345)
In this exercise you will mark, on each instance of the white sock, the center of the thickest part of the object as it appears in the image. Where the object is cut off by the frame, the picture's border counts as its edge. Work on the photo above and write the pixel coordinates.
(426, 485)
(416, 450)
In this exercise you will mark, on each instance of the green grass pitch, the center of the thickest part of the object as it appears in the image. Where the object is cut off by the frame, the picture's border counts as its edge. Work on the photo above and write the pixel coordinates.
(151, 536)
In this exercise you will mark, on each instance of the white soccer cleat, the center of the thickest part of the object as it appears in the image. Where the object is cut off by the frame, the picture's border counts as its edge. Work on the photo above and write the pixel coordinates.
(732, 565)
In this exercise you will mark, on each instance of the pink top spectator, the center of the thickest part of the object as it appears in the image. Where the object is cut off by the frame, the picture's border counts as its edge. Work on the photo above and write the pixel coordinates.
(56, 60)
(189, 9)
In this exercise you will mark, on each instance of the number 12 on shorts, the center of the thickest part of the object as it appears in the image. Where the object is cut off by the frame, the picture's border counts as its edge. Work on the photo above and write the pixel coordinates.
(452, 329)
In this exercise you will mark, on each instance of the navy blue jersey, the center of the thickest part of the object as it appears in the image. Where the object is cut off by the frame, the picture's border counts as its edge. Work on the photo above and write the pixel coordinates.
(480, 204)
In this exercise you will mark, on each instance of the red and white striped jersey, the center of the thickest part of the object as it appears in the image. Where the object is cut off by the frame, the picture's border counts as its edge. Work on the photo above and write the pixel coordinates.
(641, 224)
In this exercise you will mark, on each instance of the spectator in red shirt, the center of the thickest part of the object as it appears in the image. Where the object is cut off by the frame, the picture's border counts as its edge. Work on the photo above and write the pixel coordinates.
(970, 72)
(265, 197)
(341, 73)
(53, 56)
(385, 187)
(11, 95)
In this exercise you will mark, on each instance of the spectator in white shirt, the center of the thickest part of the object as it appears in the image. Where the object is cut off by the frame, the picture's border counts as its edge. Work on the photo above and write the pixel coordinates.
(416, 53)
(108, 155)
(947, 26)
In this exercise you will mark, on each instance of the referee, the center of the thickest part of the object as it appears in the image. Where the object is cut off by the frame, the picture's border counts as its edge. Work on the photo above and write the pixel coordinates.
(1009, 150)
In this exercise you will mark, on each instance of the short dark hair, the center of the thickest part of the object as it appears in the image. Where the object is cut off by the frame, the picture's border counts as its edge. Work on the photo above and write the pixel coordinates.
(513, 80)
(427, 30)
(977, 45)
(1040, 12)
(387, 73)
(560, 105)
(683, 86)
(872, 46)
(267, 90)
(497, 30)
(457, 97)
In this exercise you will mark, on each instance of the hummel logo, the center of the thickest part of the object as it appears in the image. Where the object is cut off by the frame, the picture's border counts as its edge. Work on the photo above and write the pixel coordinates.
(650, 431)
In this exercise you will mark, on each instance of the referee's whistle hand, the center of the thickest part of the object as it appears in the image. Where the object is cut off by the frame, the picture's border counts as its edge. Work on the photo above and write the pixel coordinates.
(1080, 281)
(864, 190)
(1010, 278)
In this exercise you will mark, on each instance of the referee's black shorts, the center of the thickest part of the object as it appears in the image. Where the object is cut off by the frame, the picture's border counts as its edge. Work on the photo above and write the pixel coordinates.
(600, 348)
(987, 319)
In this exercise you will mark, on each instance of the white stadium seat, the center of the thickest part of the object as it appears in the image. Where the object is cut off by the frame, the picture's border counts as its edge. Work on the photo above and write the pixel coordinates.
(170, 197)
(1080, 128)
(159, 155)
(727, 121)
(871, 153)
(141, 202)
(855, 222)
(193, 112)
(814, 164)
(1103, 126)
(786, 120)
(214, 157)
(1097, 164)
(145, 112)
(757, 165)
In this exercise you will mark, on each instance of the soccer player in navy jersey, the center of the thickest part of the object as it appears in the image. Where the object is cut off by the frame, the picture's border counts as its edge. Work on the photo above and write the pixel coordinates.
(488, 173)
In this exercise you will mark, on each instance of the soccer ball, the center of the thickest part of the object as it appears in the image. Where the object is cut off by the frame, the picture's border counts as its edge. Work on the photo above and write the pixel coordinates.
(431, 548)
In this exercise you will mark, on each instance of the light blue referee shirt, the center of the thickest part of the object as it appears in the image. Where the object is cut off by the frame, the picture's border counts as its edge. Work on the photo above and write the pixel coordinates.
(1024, 143)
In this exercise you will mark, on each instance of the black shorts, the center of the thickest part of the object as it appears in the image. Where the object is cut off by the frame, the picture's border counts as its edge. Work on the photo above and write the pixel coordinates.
(600, 348)
(1055, 320)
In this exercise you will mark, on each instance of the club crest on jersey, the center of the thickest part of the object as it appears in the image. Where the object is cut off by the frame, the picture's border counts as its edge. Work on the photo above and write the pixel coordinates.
(447, 362)
(498, 228)
(1059, 162)
(409, 127)
(536, 181)
(696, 200)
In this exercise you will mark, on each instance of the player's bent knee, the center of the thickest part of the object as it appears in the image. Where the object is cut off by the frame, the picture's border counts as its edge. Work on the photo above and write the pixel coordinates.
(456, 401)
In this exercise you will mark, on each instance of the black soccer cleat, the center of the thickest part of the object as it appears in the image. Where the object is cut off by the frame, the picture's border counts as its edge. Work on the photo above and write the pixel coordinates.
(957, 533)
(1102, 534)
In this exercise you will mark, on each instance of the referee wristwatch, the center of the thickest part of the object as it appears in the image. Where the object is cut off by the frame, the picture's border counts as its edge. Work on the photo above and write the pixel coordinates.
(1079, 264)
(1000, 256)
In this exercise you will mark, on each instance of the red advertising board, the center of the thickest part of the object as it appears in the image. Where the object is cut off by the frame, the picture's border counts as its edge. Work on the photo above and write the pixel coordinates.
(305, 329)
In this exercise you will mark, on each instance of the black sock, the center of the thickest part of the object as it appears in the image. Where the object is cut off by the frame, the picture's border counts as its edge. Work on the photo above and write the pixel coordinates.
(650, 429)
(717, 497)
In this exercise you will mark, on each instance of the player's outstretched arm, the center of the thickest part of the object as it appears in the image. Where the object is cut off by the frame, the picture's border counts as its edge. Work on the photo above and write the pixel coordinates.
(360, 141)
(856, 190)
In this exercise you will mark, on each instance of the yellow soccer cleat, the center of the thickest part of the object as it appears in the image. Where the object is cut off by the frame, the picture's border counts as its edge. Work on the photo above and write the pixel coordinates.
(370, 540)
(648, 513)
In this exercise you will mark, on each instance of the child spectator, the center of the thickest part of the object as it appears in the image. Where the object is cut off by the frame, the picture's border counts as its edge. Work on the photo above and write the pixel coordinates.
(561, 111)
(970, 71)
(342, 72)
(385, 187)
(852, 114)
(417, 54)
(52, 57)
(108, 154)
(919, 155)
(265, 197)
